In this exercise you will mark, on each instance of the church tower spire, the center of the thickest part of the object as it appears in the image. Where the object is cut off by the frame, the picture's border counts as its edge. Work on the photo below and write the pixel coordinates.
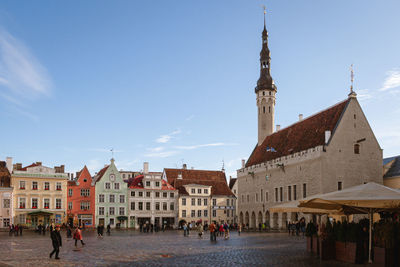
(265, 91)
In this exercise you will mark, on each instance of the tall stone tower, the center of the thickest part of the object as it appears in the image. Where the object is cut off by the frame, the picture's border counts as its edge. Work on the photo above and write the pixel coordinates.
(265, 91)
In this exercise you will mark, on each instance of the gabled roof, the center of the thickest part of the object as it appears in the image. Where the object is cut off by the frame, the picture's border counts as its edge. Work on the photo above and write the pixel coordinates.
(100, 174)
(137, 183)
(394, 170)
(215, 179)
(232, 182)
(303, 135)
(78, 175)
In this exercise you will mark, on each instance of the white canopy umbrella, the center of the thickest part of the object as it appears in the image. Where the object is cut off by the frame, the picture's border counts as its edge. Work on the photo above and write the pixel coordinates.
(293, 206)
(367, 198)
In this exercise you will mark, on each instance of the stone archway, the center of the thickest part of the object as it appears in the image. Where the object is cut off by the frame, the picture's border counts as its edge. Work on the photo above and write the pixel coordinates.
(247, 219)
(284, 221)
(241, 218)
(260, 217)
(267, 219)
(275, 219)
(253, 220)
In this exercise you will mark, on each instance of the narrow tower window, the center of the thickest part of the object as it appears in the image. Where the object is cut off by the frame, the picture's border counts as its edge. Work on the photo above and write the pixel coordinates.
(269, 109)
(264, 109)
(356, 149)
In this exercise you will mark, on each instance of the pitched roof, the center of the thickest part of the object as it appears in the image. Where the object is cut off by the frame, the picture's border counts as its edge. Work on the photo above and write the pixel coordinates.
(394, 170)
(5, 176)
(305, 134)
(100, 174)
(29, 166)
(215, 179)
(84, 170)
(137, 183)
(232, 182)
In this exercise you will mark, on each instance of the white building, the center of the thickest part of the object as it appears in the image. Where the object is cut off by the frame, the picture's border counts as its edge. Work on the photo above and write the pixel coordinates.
(152, 200)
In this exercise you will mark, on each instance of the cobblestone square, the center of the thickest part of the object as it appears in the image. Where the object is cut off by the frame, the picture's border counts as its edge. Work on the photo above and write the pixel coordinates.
(171, 248)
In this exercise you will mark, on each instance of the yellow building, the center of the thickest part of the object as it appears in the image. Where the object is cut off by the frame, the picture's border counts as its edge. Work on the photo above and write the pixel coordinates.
(40, 194)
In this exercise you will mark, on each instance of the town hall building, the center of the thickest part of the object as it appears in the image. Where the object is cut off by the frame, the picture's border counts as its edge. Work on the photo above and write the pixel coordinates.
(328, 151)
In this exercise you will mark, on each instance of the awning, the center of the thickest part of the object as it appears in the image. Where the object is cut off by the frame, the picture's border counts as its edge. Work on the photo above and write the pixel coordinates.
(122, 218)
(40, 212)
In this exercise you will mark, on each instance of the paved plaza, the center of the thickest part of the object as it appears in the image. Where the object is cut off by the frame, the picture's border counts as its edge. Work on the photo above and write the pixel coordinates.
(131, 248)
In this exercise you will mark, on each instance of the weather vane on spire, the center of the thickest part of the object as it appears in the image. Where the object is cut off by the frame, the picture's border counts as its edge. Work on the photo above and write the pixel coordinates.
(352, 78)
(265, 12)
(112, 152)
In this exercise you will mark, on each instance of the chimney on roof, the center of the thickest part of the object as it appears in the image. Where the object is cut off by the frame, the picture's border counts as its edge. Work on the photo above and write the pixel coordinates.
(300, 117)
(243, 163)
(38, 163)
(180, 176)
(184, 166)
(145, 167)
(9, 164)
(327, 136)
(278, 127)
(17, 166)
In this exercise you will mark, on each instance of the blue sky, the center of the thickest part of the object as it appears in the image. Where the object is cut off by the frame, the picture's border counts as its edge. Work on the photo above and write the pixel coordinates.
(173, 81)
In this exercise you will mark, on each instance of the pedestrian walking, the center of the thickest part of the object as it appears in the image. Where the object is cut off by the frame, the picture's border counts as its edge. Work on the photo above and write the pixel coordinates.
(226, 230)
(56, 242)
(108, 229)
(20, 230)
(16, 230)
(185, 229)
(99, 234)
(200, 230)
(78, 236)
(213, 230)
(239, 229)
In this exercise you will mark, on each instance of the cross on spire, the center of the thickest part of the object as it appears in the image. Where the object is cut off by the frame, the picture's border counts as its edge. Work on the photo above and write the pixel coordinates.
(265, 12)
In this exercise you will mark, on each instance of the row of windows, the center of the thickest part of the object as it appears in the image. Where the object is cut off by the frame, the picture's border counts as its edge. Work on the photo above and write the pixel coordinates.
(205, 202)
(199, 213)
(111, 198)
(147, 206)
(84, 205)
(35, 203)
(107, 185)
(199, 191)
(291, 193)
(35, 185)
(149, 194)
(84, 192)
(111, 211)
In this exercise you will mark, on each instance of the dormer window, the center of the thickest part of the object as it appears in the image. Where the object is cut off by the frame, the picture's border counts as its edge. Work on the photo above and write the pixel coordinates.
(147, 183)
(193, 191)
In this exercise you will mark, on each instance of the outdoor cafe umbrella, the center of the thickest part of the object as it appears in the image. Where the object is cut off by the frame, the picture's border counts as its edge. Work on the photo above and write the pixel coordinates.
(366, 198)
(293, 206)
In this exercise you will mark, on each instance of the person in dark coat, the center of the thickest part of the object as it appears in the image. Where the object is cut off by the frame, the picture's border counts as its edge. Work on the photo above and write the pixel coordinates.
(20, 230)
(56, 241)
(108, 229)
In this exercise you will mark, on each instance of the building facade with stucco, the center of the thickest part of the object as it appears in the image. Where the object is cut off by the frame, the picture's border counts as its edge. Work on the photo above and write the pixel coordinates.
(332, 149)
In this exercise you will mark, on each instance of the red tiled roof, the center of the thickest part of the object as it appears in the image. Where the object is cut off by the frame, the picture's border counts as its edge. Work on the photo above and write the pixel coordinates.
(137, 183)
(5, 175)
(101, 173)
(215, 179)
(29, 166)
(300, 136)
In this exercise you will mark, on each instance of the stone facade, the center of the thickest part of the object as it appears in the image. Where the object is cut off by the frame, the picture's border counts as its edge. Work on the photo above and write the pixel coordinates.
(40, 195)
(111, 197)
(328, 151)
(152, 200)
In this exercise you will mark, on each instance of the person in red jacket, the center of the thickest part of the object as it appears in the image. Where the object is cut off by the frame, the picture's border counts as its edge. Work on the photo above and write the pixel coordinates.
(78, 236)
(213, 230)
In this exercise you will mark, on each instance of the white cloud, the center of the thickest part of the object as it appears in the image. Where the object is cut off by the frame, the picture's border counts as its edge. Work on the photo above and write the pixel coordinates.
(364, 94)
(392, 80)
(22, 76)
(167, 137)
(203, 145)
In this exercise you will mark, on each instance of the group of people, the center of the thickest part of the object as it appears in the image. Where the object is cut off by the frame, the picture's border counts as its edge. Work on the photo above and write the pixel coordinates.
(56, 238)
(216, 229)
(15, 229)
(149, 227)
(295, 228)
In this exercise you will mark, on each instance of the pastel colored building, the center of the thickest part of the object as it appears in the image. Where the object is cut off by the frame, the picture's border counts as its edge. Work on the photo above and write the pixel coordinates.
(6, 192)
(81, 200)
(152, 200)
(111, 197)
(40, 194)
(203, 195)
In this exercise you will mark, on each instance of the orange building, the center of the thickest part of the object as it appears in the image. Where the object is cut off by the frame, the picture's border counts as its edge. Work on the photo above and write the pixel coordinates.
(81, 200)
